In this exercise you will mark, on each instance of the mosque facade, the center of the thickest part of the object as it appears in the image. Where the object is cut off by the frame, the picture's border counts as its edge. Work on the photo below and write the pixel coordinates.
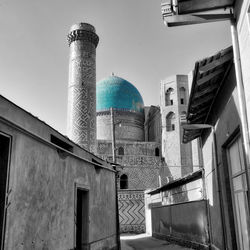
(145, 144)
(148, 149)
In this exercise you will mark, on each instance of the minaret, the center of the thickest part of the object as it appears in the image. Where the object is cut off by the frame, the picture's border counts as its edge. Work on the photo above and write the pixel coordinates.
(81, 127)
(174, 101)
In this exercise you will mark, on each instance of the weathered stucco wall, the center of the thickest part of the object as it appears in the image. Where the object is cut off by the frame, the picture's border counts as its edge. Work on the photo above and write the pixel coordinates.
(42, 188)
(224, 116)
(185, 223)
(243, 30)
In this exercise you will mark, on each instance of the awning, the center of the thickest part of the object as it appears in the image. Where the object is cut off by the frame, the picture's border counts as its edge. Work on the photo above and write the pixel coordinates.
(178, 182)
(185, 12)
(208, 76)
(193, 6)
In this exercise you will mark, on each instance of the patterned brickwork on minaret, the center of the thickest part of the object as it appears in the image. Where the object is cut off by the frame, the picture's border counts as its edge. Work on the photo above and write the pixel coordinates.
(81, 125)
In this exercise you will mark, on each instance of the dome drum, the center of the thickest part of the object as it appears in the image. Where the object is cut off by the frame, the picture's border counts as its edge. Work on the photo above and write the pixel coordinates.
(130, 128)
(126, 101)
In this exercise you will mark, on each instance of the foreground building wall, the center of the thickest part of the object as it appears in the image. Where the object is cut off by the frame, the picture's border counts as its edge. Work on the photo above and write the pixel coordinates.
(51, 181)
(224, 157)
(243, 30)
(178, 212)
(219, 181)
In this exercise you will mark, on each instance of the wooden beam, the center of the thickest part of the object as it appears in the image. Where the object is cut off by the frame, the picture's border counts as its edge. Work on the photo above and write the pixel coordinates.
(206, 91)
(190, 139)
(200, 110)
(215, 63)
(209, 76)
(189, 136)
(192, 6)
(201, 101)
(198, 117)
(189, 133)
(179, 20)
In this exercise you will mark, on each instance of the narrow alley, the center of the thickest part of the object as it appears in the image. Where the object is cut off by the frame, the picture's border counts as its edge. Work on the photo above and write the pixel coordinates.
(145, 242)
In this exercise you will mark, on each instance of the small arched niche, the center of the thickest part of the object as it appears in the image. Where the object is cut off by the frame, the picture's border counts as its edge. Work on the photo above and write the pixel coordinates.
(157, 152)
(170, 121)
(120, 151)
(124, 181)
(169, 97)
(183, 100)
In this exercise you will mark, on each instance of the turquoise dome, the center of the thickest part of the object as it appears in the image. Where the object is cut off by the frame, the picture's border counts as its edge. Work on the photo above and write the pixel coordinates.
(118, 93)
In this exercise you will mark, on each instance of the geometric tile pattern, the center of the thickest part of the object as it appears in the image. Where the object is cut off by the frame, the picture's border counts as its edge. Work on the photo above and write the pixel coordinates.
(143, 169)
(82, 89)
(142, 177)
(131, 211)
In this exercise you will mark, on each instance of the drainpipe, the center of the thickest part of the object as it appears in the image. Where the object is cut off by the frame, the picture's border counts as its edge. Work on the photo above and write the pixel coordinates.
(116, 178)
(117, 213)
(241, 95)
(113, 134)
(204, 193)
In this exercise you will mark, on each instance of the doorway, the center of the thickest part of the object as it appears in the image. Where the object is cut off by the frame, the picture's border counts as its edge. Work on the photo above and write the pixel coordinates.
(4, 162)
(82, 219)
(238, 185)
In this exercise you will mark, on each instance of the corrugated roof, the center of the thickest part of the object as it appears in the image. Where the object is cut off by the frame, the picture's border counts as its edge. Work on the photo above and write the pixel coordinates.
(178, 182)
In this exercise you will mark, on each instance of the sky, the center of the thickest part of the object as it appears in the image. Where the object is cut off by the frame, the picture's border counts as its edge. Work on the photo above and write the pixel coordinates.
(134, 44)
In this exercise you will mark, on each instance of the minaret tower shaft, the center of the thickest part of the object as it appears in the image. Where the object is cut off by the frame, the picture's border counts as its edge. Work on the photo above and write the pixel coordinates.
(81, 126)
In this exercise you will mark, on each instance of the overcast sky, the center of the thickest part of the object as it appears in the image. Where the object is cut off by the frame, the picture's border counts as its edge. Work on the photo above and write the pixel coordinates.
(134, 44)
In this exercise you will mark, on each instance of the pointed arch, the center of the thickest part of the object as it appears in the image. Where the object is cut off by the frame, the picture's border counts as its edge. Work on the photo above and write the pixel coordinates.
(124, 181)
(183, 96)
(170, 121)
(120, 151)
(169, 97)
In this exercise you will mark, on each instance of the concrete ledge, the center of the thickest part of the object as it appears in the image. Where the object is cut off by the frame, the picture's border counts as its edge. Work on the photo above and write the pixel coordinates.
(181, 242)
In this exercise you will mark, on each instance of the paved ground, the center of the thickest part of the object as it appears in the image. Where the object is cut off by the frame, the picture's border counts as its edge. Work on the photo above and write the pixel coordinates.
(144, 242)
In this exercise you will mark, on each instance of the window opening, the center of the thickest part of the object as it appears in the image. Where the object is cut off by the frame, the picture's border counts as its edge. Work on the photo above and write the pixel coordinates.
(120, 151)
(157, 152)
(168, 97)
(239, 190)
(183, 96)
(170, 119)
(124, 182)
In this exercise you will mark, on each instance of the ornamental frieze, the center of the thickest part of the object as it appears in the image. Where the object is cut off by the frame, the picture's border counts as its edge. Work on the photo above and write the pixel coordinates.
(139, 161)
